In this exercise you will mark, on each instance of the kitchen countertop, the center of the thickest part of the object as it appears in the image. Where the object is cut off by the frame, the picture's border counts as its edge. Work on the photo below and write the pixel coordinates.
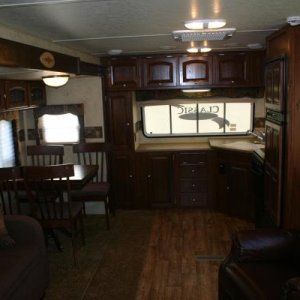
(241, 144)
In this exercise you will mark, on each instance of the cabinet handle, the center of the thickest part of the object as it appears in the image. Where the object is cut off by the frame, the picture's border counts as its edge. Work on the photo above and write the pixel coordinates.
(130, 175)
(127, 124)
(149, 176)
(193, 185)
(227, 188)
(124, 84)
(193, 171)
(193, 200)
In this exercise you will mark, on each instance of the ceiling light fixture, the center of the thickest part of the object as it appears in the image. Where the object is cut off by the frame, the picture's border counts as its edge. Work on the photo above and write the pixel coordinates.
(198, 49)
(56, 80)
(205, 49)
(205, 23)
(193, 50)
(203, 35)
(196, 91)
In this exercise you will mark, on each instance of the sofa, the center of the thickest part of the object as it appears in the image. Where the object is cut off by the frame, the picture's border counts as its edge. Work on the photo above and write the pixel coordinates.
(24, 271)
(263, 264)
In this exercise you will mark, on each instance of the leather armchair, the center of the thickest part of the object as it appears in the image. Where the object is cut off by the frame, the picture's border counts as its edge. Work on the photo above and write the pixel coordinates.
(264, 264)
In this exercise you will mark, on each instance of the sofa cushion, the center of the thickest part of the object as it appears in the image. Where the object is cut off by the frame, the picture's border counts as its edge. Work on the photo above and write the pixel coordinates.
(15, 264)
(258, 281)
(6, 240)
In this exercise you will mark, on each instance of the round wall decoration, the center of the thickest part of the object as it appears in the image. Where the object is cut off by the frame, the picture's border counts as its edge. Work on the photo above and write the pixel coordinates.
(47, 59)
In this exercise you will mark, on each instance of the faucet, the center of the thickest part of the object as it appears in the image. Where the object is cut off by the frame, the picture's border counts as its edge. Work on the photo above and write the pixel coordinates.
(257, 134)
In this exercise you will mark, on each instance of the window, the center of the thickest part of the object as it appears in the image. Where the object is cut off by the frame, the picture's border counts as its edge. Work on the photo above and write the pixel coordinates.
(197, 118)
(60, 128)
(7, 148)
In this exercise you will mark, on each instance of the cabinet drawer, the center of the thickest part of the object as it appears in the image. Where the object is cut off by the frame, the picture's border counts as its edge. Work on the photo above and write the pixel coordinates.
(192, 171)
(191, 186)
(192, 199)
(192, 158)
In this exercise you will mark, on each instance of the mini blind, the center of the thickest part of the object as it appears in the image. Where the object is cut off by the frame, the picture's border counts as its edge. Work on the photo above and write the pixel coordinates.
(7, 149)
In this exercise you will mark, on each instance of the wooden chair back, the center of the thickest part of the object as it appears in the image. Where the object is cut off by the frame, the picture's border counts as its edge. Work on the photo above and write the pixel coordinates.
(45, 187)
(43, 155)
(8, 190)
(94, 154)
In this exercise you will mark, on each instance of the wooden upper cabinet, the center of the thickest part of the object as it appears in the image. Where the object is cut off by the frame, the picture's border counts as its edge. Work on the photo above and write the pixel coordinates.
(195, 70)
(123, 73)
(2, 96)
(275, 84)
(16, 93)
(159, 72)
(230, 69)
(37, 93)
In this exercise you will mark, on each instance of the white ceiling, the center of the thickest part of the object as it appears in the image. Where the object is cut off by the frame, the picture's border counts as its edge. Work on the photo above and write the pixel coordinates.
(142, 26)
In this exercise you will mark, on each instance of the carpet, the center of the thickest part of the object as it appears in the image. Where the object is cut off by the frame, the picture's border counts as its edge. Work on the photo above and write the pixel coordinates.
(109, 264)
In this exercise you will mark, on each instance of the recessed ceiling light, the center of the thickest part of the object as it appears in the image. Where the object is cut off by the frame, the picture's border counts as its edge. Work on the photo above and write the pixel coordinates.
(255, 46)
(205, 23)
(167, 47)
(114, 51)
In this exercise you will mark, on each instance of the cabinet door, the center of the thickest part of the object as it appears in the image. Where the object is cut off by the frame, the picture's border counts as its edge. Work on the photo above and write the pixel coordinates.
(119, 120)
(159, 178)
(275, 84)
(273, 171)
(234, 184)
(273, 196)
(2, 96)
(123, 179)
(16, 93)
(37, 93)
(123, 74)
(255, 68)
(195, 70)
(239, 189)
(230, 69)
(159, 72)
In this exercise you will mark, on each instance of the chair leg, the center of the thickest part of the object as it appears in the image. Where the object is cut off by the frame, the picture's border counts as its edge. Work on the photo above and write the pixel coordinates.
(82, 229)
(106, 214)
(74, 248)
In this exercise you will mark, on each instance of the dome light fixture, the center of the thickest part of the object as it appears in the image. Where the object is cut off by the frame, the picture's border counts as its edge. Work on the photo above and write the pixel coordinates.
(56, 80)
(205, 24)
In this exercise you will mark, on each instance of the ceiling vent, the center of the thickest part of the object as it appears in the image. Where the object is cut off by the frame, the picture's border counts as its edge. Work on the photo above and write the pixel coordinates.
(203, 35)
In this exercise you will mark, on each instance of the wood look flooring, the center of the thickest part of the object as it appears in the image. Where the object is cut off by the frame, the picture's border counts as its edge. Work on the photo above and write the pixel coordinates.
(185, 250)
(166, 254)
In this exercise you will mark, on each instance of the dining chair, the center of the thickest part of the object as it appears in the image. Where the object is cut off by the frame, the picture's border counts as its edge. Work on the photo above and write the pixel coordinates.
(99, 188)
(48, 190)
(43, 155)
(8, 190)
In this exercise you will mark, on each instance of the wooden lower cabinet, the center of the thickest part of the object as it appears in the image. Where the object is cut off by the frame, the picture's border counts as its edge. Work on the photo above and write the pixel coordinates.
(193, 183)
(123, 179)
(154, 180)
(234, 184)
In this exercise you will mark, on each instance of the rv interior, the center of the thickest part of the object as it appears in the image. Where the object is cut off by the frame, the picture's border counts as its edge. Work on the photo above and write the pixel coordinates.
(191, 112)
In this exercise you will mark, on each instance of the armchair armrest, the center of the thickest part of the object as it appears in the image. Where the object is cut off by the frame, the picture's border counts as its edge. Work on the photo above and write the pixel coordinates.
(24, 229)
(292, 289)
(262, 245)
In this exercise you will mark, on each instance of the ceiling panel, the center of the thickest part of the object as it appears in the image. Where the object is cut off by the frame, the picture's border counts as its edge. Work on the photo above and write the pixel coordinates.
(142, 26)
